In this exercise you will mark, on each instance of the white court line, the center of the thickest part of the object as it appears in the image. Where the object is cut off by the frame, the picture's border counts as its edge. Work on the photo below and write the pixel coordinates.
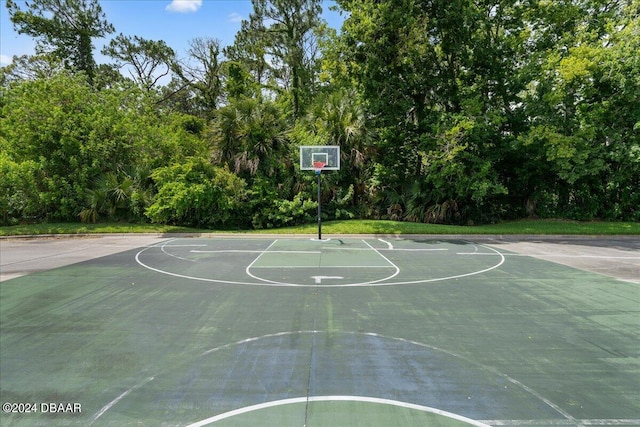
(255, 260)
(477, 253)
(549, 403)
(338, 248)
(415, 250)
(248, 251)
(567, 416)
(345, 285)
(558, 409)
(162, 248)
(586, 422)
(250, 266)
(342, 249)
(179, 246)
(457, 276)
(386, 259)
(109, 405)
(291, 267)
(389, 245)
(318, 279)
(184, 276)
(336, 399)
(483, 423)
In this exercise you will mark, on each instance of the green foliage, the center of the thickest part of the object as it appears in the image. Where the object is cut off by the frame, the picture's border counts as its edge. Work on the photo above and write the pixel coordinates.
(341, 204)
(445, 111)
(65, 29)
(484, 110)
(196, 193)
(53, 123)
(118, 195)
(73, 138)
(578, 152)
(19, 195)
(247, 136)
(276, 213)
(285, 30)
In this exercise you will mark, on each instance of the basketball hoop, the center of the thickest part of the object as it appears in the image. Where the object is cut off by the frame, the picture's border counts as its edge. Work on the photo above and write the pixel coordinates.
(318, 166)
(319, 158)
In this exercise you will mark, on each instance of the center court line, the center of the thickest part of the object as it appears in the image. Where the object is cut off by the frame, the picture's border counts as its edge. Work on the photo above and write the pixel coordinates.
(557, 408)
(493, 370)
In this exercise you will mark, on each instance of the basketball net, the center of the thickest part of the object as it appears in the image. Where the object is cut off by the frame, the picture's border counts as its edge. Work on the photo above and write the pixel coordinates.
(318, 166)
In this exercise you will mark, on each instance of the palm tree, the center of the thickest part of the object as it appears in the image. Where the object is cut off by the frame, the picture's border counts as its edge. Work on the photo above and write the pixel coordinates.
(247, 136)
(341, 117)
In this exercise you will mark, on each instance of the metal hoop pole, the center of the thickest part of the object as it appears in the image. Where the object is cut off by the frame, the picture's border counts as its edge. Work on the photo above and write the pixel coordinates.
(319, 174)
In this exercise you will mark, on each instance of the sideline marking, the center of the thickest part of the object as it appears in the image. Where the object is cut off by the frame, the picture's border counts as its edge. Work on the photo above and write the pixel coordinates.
(336, 399)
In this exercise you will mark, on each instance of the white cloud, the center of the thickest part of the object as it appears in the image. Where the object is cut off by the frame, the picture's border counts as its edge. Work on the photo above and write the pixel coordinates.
(5, 60)
(234, 17)
(184, 6)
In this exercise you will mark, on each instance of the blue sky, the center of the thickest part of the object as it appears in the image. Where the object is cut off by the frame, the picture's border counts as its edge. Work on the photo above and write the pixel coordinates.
(174, 21)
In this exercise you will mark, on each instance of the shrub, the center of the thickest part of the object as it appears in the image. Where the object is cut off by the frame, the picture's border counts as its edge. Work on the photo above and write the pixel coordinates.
(196, 193)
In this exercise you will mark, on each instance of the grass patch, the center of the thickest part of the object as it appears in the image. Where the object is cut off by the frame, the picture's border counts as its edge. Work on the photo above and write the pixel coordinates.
(104, 228)
(542, 227)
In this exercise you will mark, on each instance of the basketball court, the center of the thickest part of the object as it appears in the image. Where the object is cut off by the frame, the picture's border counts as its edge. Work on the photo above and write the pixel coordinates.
(297, 331)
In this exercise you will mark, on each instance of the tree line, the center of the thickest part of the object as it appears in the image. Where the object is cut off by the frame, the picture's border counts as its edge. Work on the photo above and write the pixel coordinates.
(446, 111)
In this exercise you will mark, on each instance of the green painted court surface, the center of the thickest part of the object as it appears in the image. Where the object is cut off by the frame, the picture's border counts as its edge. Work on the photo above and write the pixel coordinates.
(344, 332)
